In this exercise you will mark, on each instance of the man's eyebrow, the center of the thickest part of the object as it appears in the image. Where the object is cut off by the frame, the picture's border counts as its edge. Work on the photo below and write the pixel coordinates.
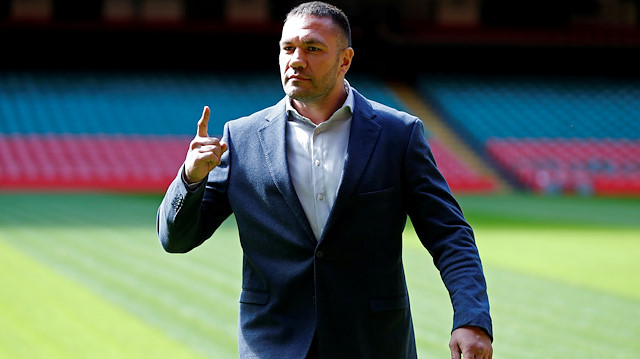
(312, 41)
(304, 42)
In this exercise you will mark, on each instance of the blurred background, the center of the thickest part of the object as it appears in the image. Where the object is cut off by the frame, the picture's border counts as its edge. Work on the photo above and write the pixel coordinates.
(531, 108)
(538, 96)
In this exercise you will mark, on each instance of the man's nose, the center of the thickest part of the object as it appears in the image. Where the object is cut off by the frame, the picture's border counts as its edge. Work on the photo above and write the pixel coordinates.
(297, 59)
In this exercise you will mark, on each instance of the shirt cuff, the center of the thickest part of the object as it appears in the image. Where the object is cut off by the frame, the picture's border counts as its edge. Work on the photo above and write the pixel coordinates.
(191, 187)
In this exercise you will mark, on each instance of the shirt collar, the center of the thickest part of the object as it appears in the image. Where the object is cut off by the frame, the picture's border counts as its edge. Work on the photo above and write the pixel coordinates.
(345, 112)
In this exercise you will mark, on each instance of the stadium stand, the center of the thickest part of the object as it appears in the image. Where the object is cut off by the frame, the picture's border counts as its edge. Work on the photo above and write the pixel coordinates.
(129, 131)
(464, 171)
(550, 135)
(582, 165)
(110, 130)
(151, 100)
(64, 162)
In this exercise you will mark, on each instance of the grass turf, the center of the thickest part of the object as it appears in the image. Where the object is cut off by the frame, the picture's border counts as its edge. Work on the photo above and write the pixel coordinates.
(83, 276)
(45, 315)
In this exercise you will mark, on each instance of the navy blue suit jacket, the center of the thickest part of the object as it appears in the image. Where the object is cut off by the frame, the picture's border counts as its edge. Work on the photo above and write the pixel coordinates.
(349, 286)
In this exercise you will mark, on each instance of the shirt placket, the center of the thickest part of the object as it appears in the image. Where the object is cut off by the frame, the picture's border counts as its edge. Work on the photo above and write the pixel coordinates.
(319, 177)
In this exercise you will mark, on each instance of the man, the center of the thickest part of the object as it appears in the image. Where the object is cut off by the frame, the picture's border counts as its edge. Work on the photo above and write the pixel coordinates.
(321, 185)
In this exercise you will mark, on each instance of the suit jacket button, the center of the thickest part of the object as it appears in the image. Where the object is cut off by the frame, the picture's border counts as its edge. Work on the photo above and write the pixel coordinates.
(319, 254)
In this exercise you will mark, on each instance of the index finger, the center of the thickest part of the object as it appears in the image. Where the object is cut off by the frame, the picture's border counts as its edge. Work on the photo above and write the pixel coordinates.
(203, 123)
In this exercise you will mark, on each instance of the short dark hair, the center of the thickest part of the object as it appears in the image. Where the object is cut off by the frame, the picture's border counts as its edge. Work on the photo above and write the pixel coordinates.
(322, 9)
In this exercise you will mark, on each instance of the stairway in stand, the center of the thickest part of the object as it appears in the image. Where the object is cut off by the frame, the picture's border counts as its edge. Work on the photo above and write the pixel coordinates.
(441, 133)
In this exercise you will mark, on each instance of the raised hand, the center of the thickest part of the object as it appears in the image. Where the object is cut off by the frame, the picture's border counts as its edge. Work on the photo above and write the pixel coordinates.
(204, 152)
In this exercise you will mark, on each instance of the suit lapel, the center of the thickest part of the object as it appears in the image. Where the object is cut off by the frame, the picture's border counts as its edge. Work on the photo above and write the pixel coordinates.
(273, 142)
(362, 140)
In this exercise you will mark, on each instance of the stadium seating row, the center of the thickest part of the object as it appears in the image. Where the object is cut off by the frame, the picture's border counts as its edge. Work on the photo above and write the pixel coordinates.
(137, 163)
(523, 107)
(123, 103)
(91, 130)
(120, 130)
(88, 130)
(114, 103)
(123, 163)
(549, 134)
(578, 166)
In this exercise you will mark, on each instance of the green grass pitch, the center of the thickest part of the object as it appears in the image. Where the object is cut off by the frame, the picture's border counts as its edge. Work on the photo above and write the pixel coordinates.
(83, 276)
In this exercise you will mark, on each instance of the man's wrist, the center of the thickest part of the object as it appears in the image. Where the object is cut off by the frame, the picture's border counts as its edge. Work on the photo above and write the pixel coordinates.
(190, 186)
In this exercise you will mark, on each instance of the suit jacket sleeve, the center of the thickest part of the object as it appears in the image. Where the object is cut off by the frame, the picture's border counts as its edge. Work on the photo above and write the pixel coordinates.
(185, 218)
(443, 230)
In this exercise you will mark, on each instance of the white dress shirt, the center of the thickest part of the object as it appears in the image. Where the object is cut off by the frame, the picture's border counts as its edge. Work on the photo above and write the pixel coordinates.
(316, 156)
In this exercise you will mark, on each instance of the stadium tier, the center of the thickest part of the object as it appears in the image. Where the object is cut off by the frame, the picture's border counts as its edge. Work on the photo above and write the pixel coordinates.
(130, 130)
(112, 130)
(548, 134)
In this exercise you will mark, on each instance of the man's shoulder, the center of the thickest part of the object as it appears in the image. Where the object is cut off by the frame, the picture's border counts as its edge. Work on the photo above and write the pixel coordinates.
(258, 117)
(385, 112)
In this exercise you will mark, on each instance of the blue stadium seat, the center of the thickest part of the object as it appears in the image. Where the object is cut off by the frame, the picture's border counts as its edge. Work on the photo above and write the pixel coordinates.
(537, 107)
(111, 103)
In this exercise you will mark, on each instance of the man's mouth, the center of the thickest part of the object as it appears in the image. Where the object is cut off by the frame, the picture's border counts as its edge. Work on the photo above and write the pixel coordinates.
(298, 77)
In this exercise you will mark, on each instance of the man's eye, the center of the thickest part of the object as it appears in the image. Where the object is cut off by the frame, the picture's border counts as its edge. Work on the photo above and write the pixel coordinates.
(313, 48)
(287, 48)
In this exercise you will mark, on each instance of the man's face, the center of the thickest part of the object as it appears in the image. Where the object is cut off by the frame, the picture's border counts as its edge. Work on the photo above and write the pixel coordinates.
(311, 58)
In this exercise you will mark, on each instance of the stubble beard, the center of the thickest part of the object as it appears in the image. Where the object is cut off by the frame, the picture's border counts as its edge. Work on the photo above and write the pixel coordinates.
(303, 95)
(312, 94)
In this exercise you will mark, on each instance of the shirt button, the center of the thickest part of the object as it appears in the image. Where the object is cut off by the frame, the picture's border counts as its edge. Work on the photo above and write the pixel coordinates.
(320, 197)
(319, 254)
(317, 163)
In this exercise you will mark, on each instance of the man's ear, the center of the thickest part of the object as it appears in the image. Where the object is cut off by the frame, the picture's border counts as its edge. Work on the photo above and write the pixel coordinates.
(346, 58)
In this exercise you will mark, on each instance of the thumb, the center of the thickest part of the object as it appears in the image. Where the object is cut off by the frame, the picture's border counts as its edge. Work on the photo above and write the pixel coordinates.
(203, 123)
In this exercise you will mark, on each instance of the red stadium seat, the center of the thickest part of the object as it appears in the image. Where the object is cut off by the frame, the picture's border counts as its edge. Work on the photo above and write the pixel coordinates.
(132, 163)
(572, 165)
